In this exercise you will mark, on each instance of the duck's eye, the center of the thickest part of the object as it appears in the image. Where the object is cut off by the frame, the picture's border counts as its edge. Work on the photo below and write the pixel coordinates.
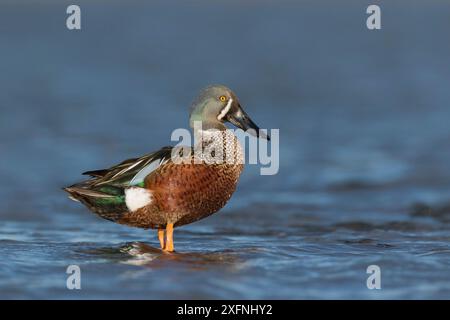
(223, 98)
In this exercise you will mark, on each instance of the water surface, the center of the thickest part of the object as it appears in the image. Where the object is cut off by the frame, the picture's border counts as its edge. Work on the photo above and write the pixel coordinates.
(364, 157)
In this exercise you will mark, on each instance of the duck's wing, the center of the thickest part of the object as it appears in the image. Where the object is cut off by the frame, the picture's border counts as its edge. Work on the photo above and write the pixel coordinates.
(123, 174)
(104, 193)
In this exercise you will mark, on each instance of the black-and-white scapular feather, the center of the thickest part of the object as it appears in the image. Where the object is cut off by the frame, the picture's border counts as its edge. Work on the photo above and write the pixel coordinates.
(131, 171)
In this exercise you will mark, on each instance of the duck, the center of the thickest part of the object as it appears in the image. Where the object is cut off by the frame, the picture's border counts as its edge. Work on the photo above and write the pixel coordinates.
(176, 185)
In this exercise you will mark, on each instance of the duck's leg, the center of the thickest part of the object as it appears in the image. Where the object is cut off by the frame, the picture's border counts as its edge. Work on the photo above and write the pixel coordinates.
(161, 237)
(169, 238)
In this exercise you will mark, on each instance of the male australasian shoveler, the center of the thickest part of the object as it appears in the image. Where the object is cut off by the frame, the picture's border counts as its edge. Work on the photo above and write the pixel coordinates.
(157, 191)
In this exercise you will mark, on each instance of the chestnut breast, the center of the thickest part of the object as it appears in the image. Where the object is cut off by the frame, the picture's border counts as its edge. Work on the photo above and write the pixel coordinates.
(187, 192)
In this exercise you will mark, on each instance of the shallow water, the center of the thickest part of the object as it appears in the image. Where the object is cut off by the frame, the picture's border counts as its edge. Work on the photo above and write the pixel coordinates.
(364, 152)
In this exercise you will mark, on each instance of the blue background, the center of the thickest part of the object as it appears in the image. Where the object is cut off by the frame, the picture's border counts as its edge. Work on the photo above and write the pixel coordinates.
(364, 146)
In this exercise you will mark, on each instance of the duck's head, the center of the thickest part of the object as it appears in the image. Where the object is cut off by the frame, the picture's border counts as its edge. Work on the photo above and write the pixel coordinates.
(216, 105)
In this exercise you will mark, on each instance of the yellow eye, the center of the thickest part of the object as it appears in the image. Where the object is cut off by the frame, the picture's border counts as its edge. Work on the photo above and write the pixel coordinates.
(223, 98)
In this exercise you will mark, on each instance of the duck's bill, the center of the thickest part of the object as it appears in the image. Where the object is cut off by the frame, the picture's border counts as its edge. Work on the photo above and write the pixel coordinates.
(240, 119)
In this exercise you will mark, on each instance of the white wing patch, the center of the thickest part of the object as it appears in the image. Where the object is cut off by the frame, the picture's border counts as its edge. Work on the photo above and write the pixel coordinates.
(225, 110)
(136, 198)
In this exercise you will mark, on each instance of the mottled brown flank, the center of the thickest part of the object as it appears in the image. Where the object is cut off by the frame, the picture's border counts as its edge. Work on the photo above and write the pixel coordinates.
(184, 193)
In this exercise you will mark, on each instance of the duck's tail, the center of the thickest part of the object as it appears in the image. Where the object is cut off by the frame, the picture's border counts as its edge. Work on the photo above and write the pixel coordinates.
(108, 202)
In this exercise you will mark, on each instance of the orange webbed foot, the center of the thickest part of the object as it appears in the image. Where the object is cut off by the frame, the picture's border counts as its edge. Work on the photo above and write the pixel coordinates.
(168, 247)
(161, 238)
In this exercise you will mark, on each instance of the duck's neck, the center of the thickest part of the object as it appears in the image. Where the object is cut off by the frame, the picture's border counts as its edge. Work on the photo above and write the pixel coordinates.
(219, 146)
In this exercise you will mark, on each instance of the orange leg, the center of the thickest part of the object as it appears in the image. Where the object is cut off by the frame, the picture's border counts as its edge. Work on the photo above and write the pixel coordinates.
(161, 237)
(169, 238)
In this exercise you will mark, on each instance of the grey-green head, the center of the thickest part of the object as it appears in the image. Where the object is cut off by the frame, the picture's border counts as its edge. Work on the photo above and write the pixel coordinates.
(216, 105)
